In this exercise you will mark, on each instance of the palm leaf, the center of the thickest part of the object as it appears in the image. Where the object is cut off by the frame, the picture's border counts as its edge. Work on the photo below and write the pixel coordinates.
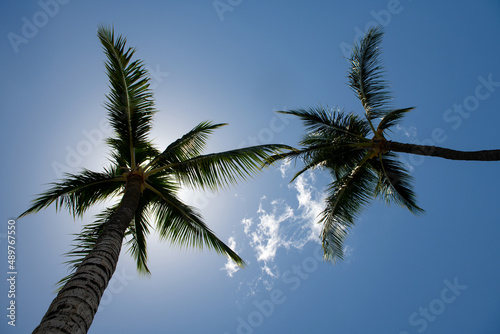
(182, 225)
(218, 170)
(335, 123)
(331, 155)
(138, 232)
(395, 183)
(392, 118)
(348, 195)
(332, 139)
(188, 146)
(130, 103)
(365, 75)
(120, 151)
(79, 191)
(83, 243)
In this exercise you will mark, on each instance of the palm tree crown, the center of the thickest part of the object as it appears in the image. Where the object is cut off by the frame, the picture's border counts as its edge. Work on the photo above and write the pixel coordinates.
(147, 179)
(356, 152)
(353, 149)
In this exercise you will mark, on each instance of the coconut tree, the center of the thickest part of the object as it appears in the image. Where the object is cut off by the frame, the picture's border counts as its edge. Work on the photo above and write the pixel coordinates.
(145, 182)
(355, 150)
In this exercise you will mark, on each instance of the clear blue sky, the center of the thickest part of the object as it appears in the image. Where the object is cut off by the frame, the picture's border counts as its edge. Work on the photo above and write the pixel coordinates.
(435, 273)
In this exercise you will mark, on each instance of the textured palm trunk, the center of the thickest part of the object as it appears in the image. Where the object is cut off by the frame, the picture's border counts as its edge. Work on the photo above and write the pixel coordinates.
(73, 309)
(433, 151)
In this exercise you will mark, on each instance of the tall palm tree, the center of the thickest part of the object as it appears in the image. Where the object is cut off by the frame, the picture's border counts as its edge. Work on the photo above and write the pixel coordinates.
(147, 182)
(355, 150)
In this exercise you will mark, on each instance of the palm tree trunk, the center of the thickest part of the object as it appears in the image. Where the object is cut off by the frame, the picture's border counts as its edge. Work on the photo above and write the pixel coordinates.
(433, 151)
(73, 309)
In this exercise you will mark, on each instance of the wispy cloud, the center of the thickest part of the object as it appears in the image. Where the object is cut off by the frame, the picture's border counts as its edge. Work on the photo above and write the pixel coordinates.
(409, 132)
(247, 224)
(268, 236)
(284, 167)
(282, 224)
(277, 225)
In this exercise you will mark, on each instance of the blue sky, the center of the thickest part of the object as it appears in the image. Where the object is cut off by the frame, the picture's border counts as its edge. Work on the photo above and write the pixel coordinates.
(239, 61)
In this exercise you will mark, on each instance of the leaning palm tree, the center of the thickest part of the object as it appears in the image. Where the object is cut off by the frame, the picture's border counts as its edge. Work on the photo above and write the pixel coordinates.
(355, 150)
(147, 182)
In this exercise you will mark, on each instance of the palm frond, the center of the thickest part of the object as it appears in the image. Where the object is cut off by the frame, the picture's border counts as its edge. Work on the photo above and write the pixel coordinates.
(341, 158)
(83, 243)
(130, 103)
(219, 170)
(333, 122)
(291, 155)
(334, 139)
(312, 158)
(395, 183)
(392, 118)
(348, 195)
(78, 192)
(138, 232)
(366, 75)
(143, 151)
(183, 226)
(188, 146)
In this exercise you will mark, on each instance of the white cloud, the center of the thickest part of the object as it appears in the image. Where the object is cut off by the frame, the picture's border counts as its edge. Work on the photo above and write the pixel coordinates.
(247, 223)
(284, 167)
(261, 210)
(267, 237)
(311, 204)
(277, 225)
(348, 254)
(410, 132)
(280, 226)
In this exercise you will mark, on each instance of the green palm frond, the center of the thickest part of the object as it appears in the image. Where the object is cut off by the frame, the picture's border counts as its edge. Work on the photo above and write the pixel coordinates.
(336, 156)
(392, 118)
(219, 170)
(78, 192)
(290, 155)
(130, 103)
(366, 75)
(143, 151)
(312, 157)
(183, 226)
(395, 183)
(336, 150)
(333, 122)
(348, 196)
(188, 146)
(138, 232)
(83, 243)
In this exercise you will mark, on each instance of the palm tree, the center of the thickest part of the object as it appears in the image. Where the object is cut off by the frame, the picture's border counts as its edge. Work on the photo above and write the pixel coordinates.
(362, 162)
(147, 182)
